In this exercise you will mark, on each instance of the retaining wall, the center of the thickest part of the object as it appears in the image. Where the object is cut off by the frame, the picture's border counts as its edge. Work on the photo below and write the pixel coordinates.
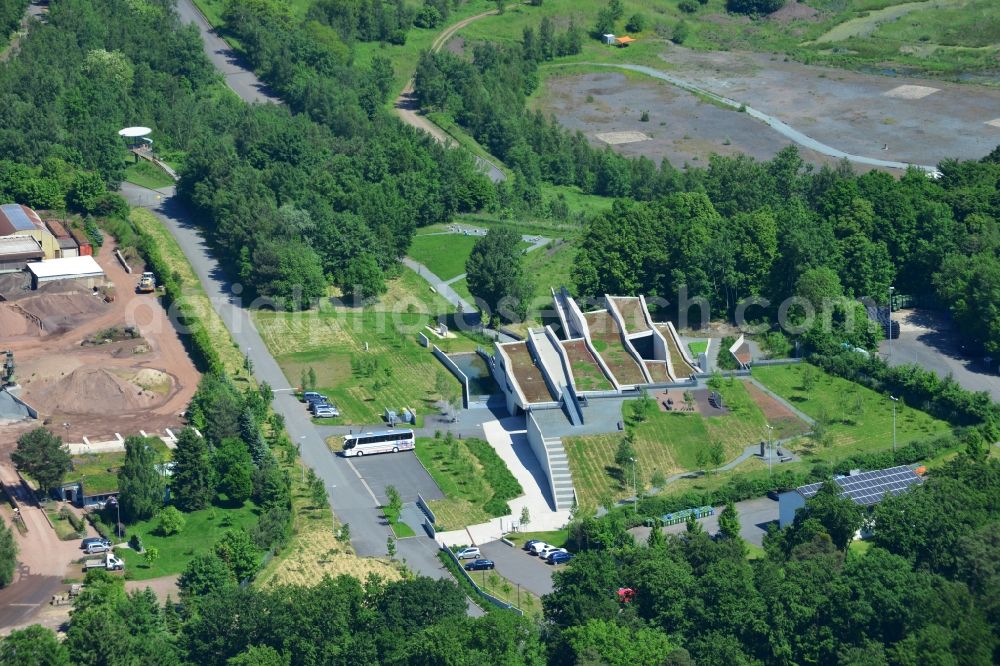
(455, 370)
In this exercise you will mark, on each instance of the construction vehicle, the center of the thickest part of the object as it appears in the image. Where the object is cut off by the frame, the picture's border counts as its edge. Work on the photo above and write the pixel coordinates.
(109, 563)
(147, 284)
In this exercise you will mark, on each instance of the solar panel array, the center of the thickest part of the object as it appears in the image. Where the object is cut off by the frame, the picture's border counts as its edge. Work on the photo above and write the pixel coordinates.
(18, 218)
(870, 487)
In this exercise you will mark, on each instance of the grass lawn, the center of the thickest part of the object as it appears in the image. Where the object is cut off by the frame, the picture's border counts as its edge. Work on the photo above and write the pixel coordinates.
(194, 294)
(461, 287)
(99, 471)
(698, 347)
(859, 419)
(666, 442)
(465, 481)
(444, 254)
(64, 529)
(556, 537)
(550, 267)
(147, 174)
(859, 547)
(202, 529)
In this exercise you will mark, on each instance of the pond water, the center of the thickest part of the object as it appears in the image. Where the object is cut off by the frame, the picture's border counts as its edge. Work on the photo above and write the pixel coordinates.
(481, 382)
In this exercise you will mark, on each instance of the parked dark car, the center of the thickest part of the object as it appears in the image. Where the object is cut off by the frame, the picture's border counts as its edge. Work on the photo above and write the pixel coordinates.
(479, 565)
(529, 543)
(86, 543)
(559, 558)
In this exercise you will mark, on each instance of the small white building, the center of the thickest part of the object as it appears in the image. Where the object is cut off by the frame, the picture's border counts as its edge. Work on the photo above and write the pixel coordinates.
(609, 39)
(84, 268)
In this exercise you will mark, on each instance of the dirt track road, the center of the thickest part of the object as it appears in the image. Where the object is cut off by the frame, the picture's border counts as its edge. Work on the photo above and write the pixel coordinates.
(43, 559)
(408, 109)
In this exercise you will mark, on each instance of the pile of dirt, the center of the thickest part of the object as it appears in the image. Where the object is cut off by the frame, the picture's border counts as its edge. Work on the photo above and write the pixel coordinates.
(90, 390)
(14, 323)
(61, 312)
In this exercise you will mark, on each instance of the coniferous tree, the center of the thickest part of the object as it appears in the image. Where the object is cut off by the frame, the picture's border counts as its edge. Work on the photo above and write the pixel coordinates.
(191, 484)
(140, 484)
(8, 554)
(40, 455)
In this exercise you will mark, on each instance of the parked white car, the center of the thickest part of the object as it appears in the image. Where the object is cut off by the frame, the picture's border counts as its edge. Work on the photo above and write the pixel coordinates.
(537, 548)
(470, 553)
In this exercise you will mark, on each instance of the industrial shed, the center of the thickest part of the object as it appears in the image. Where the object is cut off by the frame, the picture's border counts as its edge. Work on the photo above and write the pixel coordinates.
(83, 269)
(16, 252)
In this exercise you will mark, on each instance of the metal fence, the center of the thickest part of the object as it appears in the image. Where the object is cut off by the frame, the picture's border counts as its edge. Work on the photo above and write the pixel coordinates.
(499, 603)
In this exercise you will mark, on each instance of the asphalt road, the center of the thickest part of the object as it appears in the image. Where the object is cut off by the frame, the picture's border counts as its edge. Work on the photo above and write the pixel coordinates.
(401, 470)
(243, 82)
(926, 339)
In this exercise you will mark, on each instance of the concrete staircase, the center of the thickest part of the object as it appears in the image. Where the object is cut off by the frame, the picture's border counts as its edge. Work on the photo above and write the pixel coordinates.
(562, 480)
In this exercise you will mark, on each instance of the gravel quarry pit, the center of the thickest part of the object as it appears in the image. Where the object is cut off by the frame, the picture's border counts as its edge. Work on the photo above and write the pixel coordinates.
(887, 117)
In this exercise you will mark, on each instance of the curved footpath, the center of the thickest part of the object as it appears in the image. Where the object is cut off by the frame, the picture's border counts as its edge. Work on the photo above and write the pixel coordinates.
(781, 127)
(408, 109)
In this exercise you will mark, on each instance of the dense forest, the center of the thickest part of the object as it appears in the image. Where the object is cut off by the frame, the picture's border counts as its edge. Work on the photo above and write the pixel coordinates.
(924, 592)
(739, 228)
(332, 193)
(11, 12)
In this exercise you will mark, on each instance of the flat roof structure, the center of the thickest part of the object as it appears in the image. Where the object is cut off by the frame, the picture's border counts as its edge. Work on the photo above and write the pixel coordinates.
(867, 488)
(20, 248)
(16, 218)
(66, 269)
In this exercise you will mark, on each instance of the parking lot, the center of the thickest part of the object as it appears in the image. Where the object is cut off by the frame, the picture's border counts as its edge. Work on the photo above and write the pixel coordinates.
(519, 567)
(755, 515)
(926, 338)
(401, 470)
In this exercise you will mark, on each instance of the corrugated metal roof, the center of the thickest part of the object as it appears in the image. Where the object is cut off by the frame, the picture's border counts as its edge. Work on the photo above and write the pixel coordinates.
(870, 487)
(68, 267)
(14, 218)
(19, 245)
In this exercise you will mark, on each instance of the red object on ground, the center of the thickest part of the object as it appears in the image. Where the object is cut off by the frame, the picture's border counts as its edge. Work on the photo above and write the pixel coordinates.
(626, 595)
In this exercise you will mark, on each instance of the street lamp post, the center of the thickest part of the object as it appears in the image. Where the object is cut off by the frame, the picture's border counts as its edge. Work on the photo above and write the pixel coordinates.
(889, 332)
(894, 401)
(635, 486)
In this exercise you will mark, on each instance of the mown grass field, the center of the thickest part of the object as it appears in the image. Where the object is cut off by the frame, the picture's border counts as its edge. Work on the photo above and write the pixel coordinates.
(201, 531)
(467, 483)
(393, 371)
(666, 442)
(859, 419)
(147, 174)
(444, 254)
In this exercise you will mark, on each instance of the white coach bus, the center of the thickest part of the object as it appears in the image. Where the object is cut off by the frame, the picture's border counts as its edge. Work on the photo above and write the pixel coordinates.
(385, 441)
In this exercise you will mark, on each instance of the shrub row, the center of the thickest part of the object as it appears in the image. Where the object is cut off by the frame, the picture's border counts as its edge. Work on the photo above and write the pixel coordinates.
(920, 388)
(194, 335)
(495, 471)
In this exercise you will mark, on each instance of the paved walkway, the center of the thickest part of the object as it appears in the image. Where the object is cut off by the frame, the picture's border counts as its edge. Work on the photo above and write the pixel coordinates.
(782, 128)
(509, 439)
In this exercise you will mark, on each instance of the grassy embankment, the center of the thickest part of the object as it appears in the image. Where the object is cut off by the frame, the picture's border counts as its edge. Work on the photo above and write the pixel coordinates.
(859, 420)
(474, 479)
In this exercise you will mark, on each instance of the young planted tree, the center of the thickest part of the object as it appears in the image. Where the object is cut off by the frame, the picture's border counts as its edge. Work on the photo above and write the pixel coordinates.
(171, 521)
(394, 505)
(140, 485)
(40, 455)
(317, 489)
